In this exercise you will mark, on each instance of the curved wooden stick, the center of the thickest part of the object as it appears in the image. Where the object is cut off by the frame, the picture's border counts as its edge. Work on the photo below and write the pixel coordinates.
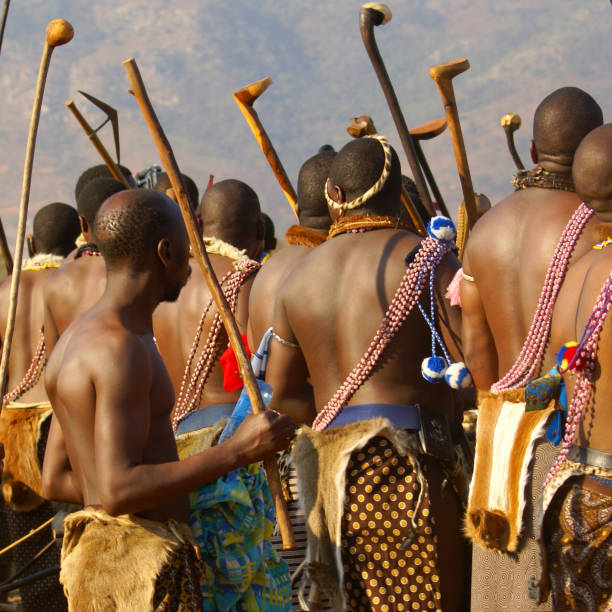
(512, 122)
(370, 15)
(97, 143)
(443, 75)
(58, 32)
(199, 252)
(245, 98)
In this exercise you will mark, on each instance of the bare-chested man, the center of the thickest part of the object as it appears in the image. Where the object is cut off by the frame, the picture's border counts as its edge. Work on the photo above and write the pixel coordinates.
(578, 524)
(191, 340)
(392, 553)
(233, 228)
(312, 231)
(79, 283)
(26, 412)
(505, 264)
(511, 246)
(112, 397)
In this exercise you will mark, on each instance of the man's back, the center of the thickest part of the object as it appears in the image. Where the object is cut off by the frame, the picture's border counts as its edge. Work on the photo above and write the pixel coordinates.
(508, 255)
(335, 300)
(266, 288)
(74, 288)
(29, 320)
(175, 325)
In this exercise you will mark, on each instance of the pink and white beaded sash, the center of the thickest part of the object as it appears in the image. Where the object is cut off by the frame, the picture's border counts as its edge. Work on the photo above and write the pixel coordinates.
(533, 349)
(193, 382)
(404, 300)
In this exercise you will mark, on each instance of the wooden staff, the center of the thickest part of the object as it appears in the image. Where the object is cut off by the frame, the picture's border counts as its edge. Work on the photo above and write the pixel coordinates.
(362, 126)
(245, 99)
(97, 143)
(58, 32)
(374, 14)
(5, 9)
(443, 75)
(512, 122)
(199, 252)
(5, 252)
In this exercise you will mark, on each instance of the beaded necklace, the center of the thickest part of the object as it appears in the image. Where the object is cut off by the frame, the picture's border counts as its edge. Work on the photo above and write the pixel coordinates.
(32, 376)
(587, 352)
(533, 349)
(192, 384)
(406, 297)
(362, 223)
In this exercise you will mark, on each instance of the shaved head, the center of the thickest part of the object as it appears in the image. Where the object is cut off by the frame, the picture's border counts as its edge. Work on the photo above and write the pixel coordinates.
(131, 223)
(357, 166)
(561, 121)
(592, 169)
(312, 206)
(230, 211)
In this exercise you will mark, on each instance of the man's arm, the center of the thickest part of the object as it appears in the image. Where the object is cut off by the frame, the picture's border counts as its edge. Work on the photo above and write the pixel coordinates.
(478, 343)
(128, 484)
(58, 479)
(287, 373)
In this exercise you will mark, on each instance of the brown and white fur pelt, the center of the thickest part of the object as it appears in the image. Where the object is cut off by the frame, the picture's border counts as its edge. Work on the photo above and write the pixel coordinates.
(20, 432)
(321, 460)
(131, 550)
(505, 442)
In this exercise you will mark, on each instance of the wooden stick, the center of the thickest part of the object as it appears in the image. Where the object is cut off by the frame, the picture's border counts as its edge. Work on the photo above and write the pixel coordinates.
(97, 143)
(58, 32)
(370, 15)
(512, 122)
(26, 536)
(5, 252)
(443, 75)
(3, 22)
(245, 99)
(199, 252)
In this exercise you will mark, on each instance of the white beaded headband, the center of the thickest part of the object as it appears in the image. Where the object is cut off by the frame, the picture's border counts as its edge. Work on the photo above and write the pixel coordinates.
(374, 189)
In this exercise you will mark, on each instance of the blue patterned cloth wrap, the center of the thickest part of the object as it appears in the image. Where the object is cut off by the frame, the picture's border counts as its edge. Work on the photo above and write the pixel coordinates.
(232, 520)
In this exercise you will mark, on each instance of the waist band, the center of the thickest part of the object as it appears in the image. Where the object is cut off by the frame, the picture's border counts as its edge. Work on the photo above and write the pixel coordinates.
(590, 456)
(404, 416)
(204, 417)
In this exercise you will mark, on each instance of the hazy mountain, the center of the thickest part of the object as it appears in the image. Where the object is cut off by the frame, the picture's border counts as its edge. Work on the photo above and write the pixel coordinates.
(194, 54)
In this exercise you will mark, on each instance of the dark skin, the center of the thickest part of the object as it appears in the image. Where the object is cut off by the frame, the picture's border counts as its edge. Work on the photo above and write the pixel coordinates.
(71, 290)
(29, 319)
(508, 254)
(112, 397)
(593, 178)
(331, 304)
(175, 325)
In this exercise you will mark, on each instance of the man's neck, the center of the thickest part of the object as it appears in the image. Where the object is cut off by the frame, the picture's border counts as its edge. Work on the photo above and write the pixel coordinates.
(556, 168)
(135, 296)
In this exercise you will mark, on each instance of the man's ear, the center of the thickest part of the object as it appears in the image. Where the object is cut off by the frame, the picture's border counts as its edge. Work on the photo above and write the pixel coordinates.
(164, 252)
(31, 245)
(533, 152)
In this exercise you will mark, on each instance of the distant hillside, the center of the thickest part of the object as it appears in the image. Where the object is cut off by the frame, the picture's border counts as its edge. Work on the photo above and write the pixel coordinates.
(194, 54)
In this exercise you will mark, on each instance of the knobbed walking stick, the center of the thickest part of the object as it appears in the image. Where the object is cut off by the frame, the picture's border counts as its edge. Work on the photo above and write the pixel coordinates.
(58, 32)
(512, 122)
(199, 252)
(374, 14)
(245, 98)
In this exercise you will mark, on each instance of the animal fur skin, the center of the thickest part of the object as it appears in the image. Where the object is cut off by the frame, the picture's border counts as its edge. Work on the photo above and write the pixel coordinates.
(131, 552)
(20, 430)
(505, 444)
(321, 459)
(194, 442)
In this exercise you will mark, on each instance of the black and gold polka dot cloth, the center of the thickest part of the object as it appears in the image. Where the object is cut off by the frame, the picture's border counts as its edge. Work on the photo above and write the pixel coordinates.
(387, 564)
